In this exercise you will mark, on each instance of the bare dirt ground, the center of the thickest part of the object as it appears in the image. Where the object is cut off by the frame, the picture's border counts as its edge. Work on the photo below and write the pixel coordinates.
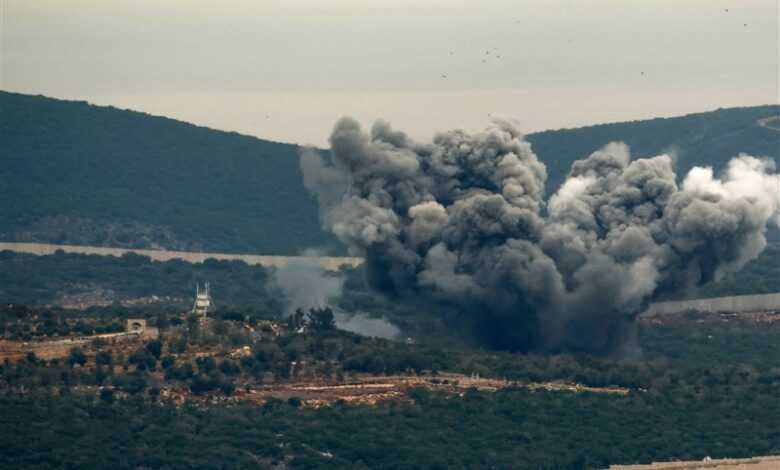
(366, 389)
(753, 463)
(332, 263)
(49, 349)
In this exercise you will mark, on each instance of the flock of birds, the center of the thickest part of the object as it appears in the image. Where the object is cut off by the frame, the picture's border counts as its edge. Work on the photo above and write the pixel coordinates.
(497, 56)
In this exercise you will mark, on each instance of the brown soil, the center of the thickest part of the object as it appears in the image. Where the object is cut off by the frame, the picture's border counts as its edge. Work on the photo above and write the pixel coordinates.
(52, 349)
(370, 390)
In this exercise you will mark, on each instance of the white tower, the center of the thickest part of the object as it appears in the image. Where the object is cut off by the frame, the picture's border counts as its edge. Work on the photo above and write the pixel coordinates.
(203, 302)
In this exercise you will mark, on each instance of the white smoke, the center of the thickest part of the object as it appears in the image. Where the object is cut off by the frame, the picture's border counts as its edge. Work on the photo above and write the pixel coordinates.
(305, 284)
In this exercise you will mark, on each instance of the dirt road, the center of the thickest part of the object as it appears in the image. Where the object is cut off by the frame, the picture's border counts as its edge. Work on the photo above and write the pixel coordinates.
(366, 389)
(331, 263)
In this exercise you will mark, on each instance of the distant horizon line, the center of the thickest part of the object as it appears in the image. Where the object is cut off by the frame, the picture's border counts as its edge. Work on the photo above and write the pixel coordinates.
(228, 131)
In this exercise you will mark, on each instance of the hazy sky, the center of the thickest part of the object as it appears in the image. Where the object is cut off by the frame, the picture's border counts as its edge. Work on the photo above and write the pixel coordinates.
(287, 70)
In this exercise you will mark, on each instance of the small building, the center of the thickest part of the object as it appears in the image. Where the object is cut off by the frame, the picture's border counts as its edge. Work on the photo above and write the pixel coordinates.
(138, 326)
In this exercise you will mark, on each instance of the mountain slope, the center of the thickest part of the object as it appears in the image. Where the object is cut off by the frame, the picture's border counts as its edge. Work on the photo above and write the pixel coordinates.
(75, 173)
(710, 138)
(82, 174)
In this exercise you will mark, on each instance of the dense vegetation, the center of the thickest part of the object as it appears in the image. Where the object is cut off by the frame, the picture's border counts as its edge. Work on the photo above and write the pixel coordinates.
(508, 429)
(43, 280)
(683, 404)
(713, 345)
(75, 173)
(81, 174)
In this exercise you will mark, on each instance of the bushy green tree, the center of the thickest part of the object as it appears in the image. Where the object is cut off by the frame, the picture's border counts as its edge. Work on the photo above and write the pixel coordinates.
(321, 320)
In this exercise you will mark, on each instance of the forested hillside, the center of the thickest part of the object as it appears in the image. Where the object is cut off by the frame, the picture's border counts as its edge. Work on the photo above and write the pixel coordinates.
(696, 139)
(75, 173)
(80, 174)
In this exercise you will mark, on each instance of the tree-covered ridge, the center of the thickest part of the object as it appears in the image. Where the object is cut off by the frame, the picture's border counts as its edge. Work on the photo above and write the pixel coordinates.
(76, 173)
(45, 280)
(84, 174)
(701, 139)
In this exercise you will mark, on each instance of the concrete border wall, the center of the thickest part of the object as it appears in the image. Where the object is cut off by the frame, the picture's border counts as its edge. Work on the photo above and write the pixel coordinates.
(739, 303)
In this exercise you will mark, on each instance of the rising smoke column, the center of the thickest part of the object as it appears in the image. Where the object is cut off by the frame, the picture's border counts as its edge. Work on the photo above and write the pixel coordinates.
(462, 223)
(305, 284)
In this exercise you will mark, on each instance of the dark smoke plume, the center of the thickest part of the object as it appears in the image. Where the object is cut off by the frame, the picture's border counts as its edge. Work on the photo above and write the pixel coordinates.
(462, 222)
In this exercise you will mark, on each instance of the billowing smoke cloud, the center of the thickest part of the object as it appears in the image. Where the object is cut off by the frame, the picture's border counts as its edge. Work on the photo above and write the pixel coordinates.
(362, 324)
(462, 223)
(305, 284)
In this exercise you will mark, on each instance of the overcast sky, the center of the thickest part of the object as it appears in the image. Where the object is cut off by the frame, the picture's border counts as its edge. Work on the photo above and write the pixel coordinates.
(287, 70)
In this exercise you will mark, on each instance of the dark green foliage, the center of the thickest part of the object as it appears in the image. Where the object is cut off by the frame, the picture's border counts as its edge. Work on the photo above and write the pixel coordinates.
(295, 402)
(154, 348)
(142, 359)
(30, 279)
(507, 429)
(320, 320)
(182, 372)
(229, 367)
(77, 356)
(167, 362)
(103, 358)
(80, 174)
(107, 394)
(690, 397)
(203, 384)
(133, 383)
(206, 364)
(716, 345)
(297, 320)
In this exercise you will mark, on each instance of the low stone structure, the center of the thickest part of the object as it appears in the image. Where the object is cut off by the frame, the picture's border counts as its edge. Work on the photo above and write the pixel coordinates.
(138, 326)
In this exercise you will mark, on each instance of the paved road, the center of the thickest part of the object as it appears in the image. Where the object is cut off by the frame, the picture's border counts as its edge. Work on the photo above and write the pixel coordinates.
(331, 263)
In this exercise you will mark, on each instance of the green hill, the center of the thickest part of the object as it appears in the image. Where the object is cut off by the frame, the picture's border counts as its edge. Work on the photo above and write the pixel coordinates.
(74, 173)
(80, 174)
(710, 138)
